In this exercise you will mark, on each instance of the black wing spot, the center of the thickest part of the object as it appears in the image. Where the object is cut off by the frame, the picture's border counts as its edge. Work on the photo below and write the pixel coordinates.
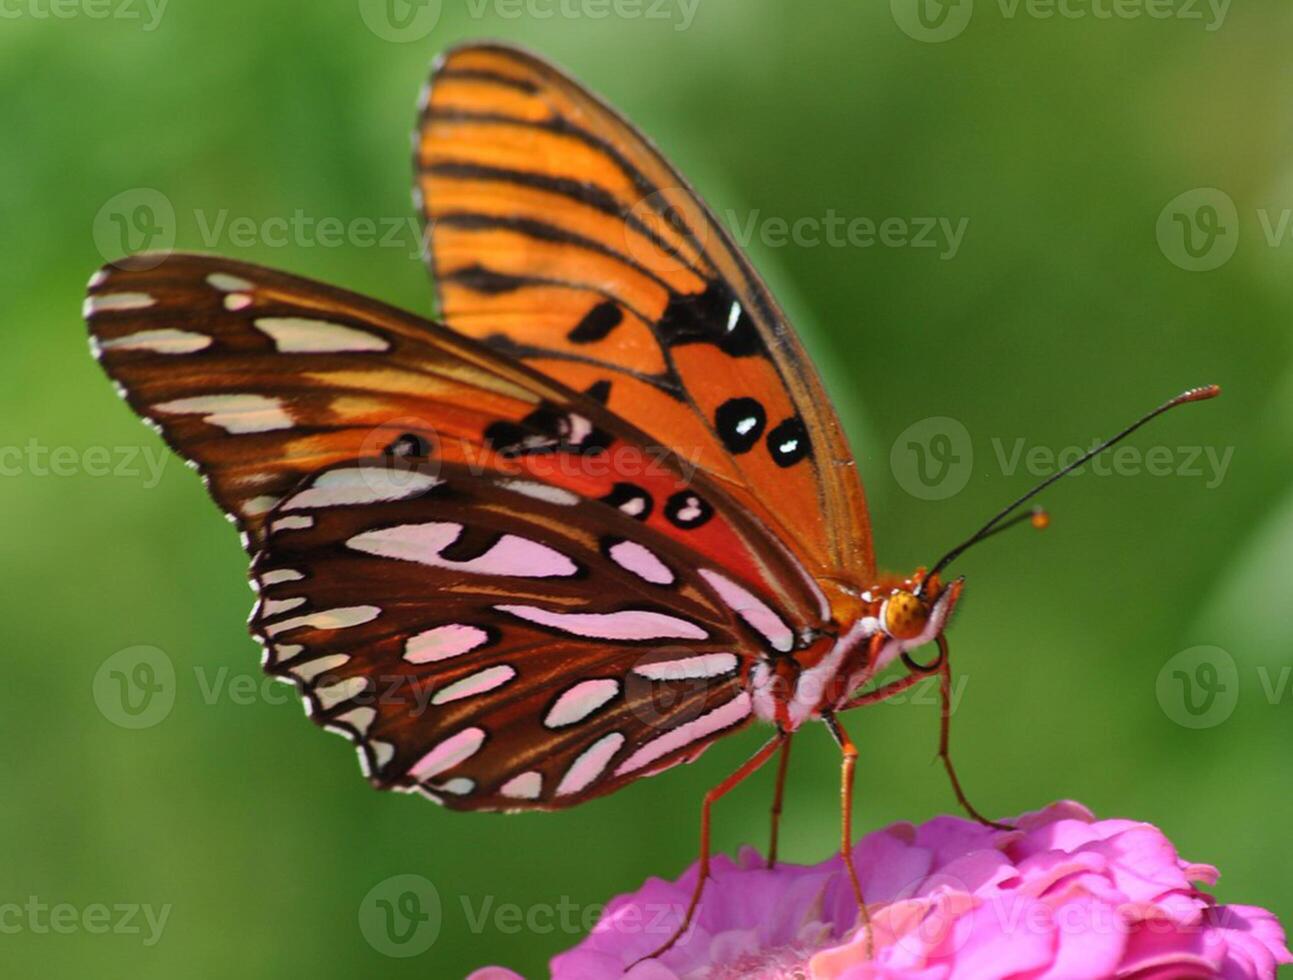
(599, 391)
(471, 543)
(547, 430)
(631, 499)
(788, 442)
(479, 279)
(597, 323)
(687, 510)
(712, 317)
(740, 423)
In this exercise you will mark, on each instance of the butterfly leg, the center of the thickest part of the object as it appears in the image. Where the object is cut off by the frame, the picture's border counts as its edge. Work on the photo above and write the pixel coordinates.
(850, 754)
(883, 692)
(747, 769)
(783, 763)
(944, 738)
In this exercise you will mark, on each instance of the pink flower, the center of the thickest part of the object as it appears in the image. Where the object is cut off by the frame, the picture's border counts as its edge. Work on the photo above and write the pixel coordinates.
(1062, 897)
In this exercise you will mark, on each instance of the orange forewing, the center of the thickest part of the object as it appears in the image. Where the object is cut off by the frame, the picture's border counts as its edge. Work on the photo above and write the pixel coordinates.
(559, 234)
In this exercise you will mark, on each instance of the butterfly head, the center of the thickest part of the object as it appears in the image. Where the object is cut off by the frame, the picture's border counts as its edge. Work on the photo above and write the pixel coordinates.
(916, 610)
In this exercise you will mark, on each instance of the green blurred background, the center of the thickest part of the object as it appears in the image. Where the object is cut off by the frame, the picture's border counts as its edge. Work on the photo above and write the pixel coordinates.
(1064, 311)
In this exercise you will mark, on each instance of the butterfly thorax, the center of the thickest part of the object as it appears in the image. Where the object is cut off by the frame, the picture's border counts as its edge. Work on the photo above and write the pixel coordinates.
(877, 624)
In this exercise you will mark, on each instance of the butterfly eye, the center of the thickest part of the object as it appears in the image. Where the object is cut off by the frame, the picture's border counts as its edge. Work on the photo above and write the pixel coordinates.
(904, 616)
(409, 446)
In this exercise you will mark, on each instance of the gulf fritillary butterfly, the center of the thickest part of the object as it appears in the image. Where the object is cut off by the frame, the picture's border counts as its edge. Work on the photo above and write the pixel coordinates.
(602, 518)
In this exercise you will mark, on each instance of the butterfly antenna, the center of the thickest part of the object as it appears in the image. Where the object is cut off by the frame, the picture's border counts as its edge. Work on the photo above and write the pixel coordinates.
(1006, 517)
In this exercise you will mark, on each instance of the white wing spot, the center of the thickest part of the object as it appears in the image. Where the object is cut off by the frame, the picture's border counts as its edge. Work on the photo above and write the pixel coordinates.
(237, 301)
(457, 787)
(274, 607)
(690, 510)
(642, 562)
(330, 619)
(108, 302)
(358, 719)
(280, 652)
(701, 667)
(629, 624)
(733, 315)
(300, 335)
(361, 485)
(756, 613)
(591, 763)
(449, 753)
(510, 555)
(280, 575)
(443, 643)
(383, 752)
(527, 786)
(541, 491)
(578, 702)
(226, 283)
(311, 669)
(481, 682)
(722, 717)
(256, 506)
(159, 342)
(236, 414)
(333, 695)
(294, 523)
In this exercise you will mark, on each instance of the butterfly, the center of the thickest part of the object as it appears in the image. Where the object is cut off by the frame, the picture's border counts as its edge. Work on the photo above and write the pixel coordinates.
(599, 517)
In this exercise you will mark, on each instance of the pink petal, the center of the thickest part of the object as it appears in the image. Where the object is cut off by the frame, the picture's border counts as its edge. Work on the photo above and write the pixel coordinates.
(1063, 896)
(1253, 941)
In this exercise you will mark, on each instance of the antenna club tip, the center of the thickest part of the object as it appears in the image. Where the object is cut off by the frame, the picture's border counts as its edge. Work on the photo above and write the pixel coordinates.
(1200, 394)
(1040, 519)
